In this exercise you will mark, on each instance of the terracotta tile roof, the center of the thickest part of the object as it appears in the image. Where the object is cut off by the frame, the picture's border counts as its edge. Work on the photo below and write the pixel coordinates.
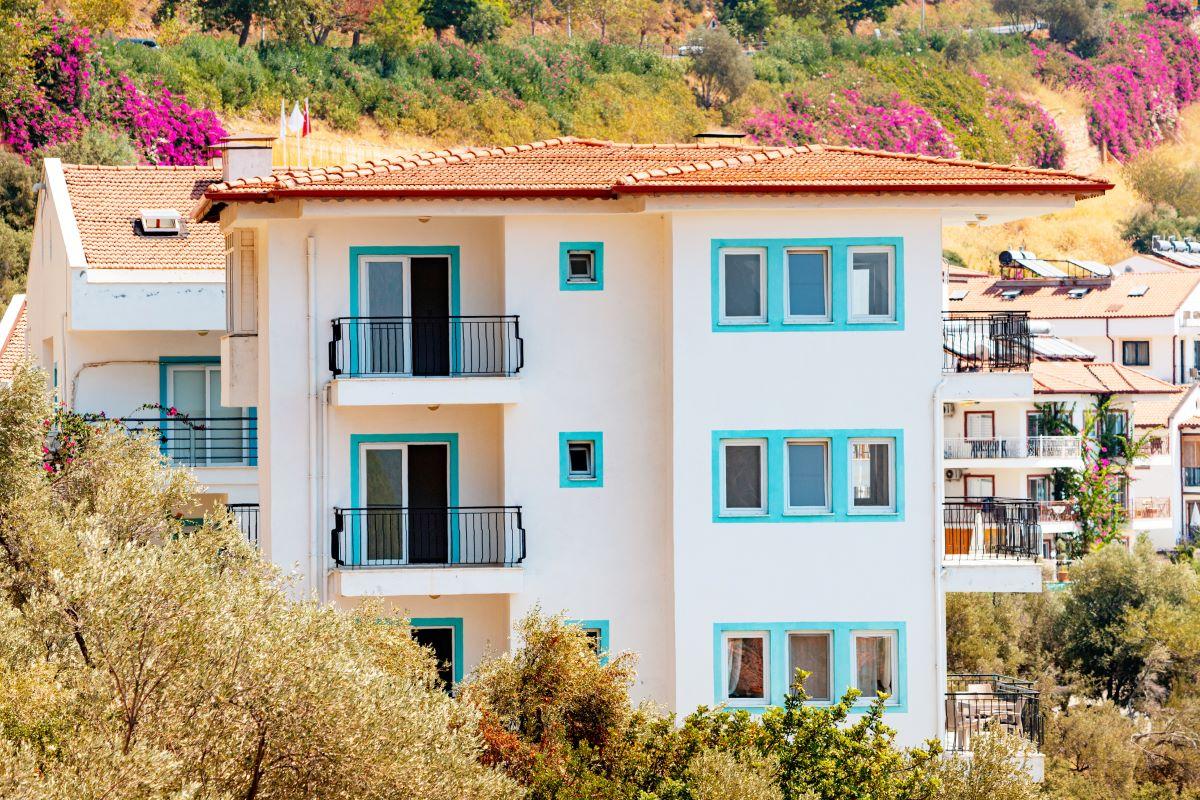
(1165, 294)
(13, 328)
(1155, 410)
(1191, 423)
(587, 168)
(107, 201)
(955, 273)
(1082, 377)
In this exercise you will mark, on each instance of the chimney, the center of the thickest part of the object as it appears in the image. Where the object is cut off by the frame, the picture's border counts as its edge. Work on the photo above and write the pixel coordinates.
(246, 155)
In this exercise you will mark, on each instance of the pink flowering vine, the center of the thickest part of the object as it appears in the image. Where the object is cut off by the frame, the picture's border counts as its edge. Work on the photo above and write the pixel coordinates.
(847, 118)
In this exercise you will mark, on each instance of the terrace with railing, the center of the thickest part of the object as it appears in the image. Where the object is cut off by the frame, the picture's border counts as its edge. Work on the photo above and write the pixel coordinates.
(983, 341)
(1068, 447)
(392, 537)
(246, 515)
(458, 346)
(976, 703)
(202, 441)
(991, 528)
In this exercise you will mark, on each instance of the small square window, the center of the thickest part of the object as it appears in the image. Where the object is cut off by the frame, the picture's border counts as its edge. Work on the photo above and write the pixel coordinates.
(746, 676)
(807, 285)
(595, 638)
(581, 266)
(581, 460)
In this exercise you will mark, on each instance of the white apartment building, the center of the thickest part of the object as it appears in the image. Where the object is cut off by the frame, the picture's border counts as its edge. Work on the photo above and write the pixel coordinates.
(689, 395)
(125, 312)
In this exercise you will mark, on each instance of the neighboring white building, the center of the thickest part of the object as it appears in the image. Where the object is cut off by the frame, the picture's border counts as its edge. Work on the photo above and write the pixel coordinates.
(689, 395)
(126, 311)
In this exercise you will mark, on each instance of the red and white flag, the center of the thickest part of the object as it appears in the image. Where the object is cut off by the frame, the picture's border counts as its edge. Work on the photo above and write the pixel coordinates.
(306, 129)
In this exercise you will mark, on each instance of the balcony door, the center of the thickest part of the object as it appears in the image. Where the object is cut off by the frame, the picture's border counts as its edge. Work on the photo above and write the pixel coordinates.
(406, 492)
(209, 433)
(407, 301)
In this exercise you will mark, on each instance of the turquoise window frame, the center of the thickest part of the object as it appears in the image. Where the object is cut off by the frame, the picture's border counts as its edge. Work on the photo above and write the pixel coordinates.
(839, 475)
(839, 295)
(164, 374)
(456, 624)
(600, 625)
(452, 251)
(564, 271)
(842, 678)
(357, 440)
(565, 481)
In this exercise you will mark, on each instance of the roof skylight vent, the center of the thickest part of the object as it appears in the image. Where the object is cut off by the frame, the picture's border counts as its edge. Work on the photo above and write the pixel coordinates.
(1011, 294)
(959, 294)
(1078, 294)
(160, 222)
(1139, 291)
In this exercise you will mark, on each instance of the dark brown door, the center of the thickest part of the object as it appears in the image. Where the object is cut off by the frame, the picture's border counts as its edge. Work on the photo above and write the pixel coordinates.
(428, 516)
(430, 281)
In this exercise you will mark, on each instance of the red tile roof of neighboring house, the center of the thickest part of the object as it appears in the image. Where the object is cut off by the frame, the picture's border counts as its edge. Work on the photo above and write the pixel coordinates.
(1154, 411)
(1190, 423)
(13, 345)
(1083, 377)
(108, 200)
(570, 167)
(1165, 294)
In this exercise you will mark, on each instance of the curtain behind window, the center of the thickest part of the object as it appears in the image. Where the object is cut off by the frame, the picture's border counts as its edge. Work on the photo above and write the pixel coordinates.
(743, 289)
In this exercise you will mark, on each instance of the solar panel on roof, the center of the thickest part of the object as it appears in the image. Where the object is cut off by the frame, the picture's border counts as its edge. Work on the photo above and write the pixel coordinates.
(1139, 291)
(1093, 267)
(1043, 269)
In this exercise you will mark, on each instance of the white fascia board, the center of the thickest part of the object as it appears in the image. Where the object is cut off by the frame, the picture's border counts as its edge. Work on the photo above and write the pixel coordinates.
(10, 318)
(110, 275)
(56, 185)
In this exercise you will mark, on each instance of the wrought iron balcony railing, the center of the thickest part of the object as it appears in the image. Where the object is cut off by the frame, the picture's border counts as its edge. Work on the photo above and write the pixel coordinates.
(977, 703)
(991, 528)
(202, 441)
(982, 341)
(246, 515)
(392, 536)
(426, 346)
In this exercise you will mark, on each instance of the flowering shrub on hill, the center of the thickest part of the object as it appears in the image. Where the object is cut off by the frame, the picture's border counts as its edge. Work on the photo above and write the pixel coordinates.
(1137, 82)
(1178, 10)
(72, 86)
(847, 118)
(1033, 133)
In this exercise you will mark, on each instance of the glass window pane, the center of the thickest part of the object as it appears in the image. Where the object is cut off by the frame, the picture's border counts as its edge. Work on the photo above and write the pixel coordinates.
(385, 477)
(579, 456)
(746, 667)
(743, 285)
(580, 265)
(188, 390)
(873, 664)
(871, 468)
(810, 652)
(806, 475)
(385, 288)
(743, 476)
(806, 284)
(870, 288)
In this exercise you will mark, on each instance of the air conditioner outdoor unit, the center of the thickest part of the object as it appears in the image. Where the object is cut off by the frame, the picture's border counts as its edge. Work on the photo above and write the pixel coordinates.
(948, 409)
(954, 474)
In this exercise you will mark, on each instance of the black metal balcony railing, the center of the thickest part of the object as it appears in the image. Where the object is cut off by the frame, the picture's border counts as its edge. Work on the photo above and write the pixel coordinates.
(979, 341)
(205, 441)
(991, 528)
(246, 515)
(978, 703)
(426, 346)
(391, 536)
